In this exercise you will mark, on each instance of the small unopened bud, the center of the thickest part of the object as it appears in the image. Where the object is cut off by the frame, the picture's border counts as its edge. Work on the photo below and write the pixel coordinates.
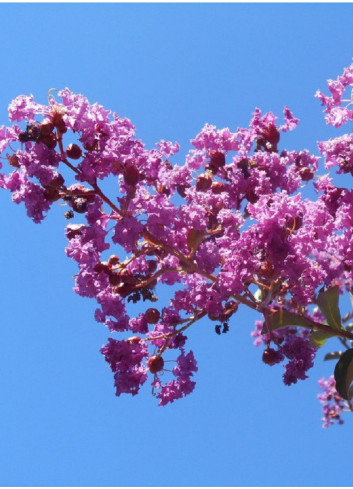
(131, 174)
(217, 160)
(90, 146)
(203, 182)
(251, 196)
(49, 140)
(51, 193)
(218, 187)
(271, 134)
(152, 265)
(57, 182)
(101, 267)
(134, 340)
(155, 364)
(46, 128)
(114, 279)
(152, 315)
(113, 260)
(59, 122)
(73, 230)
(124, 289)
(271, 356)
(306, 174)
(74, 151)
(181, 190)
(14, 161)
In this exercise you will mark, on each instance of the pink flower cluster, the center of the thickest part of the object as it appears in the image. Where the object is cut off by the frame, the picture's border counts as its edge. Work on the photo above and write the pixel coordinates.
(292, 344)
(226, 226)
(332, 403)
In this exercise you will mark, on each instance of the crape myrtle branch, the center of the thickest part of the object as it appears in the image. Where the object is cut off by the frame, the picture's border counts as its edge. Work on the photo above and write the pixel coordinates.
(188, 266)
(227, 221)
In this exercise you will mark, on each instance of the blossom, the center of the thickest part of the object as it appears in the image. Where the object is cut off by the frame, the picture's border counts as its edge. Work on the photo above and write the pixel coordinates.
(338, 152)
(111, 305)
(335, 114)
(124, 358)
(127, 231)
(226, 219)
(291, 344)
(332, 402)
(24, 107)
(301, 355)
(175, 389)
(182, 385)
(167, 148)
(290, 122)
(24, 190)
(8, 135)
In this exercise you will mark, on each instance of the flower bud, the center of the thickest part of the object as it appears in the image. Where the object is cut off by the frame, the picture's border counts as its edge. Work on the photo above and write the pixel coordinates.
(152, 265)
(101, 267)
(59, 122)
(271, 134)
(155, 364)
(49, 140)
(57, 181)
(134, 340)
(74, 151)
(46, 127)
(90, 146)
(113, 260)
(306, 174)
(131, 174)
(13, 161)
(73, 230)
(124, 289)
(217, 160)
(218, 187)
(51, 194)
(181, 190)
(251, 196)
(152, 315)
(203, 182)
(271, 356)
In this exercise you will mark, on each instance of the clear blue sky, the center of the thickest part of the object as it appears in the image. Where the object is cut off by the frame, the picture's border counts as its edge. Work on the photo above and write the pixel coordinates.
(170, 69)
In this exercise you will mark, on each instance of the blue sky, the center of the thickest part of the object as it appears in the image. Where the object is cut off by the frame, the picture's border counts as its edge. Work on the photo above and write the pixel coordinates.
(170, 68)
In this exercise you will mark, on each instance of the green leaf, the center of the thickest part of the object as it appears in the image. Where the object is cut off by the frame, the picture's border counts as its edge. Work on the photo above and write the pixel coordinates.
(351, 298)
(264, 296)
(333, 355)
(282, 319)
(318, 338)
(327, 300)
(258, 295)
(344, 374)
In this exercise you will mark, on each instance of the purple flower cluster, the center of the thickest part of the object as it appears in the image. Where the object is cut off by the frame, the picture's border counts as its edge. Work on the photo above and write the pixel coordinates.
(182, 385)
(124, 358)
(336, 115)
(332, 403)
(227, 226)
(291, 344)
